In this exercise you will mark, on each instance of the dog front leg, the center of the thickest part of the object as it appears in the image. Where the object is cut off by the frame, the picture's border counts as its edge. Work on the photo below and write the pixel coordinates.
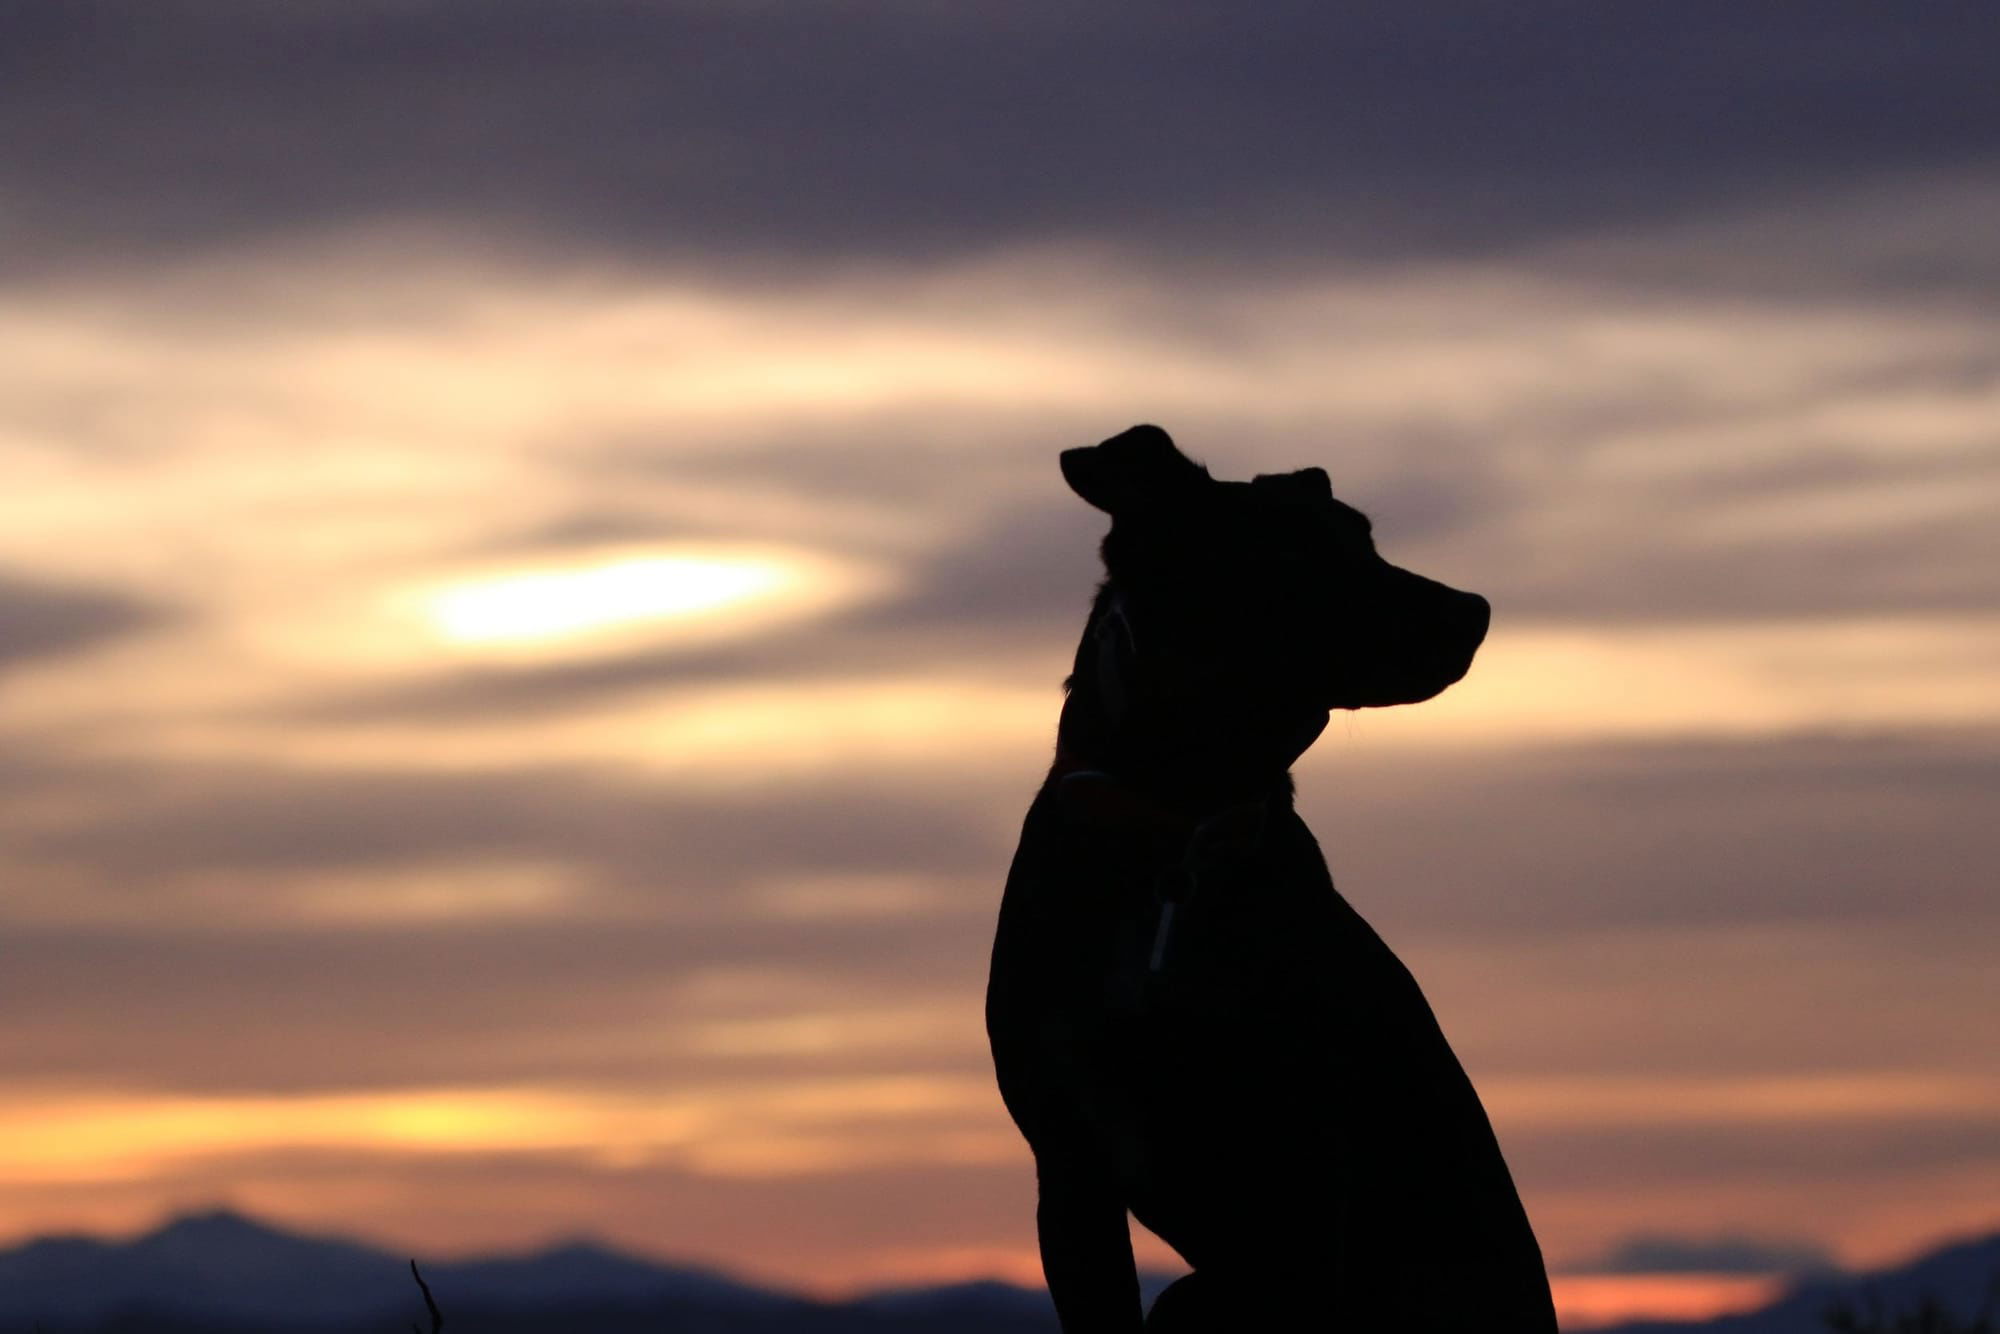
(1086, 1248)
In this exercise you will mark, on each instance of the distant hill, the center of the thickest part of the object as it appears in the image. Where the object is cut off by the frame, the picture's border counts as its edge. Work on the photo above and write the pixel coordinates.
(1960, 1275)
(223, 1273)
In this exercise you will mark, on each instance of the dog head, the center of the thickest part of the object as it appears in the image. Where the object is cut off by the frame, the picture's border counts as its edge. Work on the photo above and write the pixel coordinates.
(1271, 584)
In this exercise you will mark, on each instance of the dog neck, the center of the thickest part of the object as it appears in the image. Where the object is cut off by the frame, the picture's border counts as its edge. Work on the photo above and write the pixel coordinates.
(1131, 758)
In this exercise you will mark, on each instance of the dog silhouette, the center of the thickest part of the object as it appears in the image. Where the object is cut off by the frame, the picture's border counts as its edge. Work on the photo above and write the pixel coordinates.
(1187, 1022)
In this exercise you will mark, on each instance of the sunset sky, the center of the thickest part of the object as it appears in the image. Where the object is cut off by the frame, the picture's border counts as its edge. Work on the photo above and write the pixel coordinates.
(534, 588)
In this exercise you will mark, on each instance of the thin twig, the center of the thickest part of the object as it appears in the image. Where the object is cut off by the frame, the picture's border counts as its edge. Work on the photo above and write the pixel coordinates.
(437, 1316)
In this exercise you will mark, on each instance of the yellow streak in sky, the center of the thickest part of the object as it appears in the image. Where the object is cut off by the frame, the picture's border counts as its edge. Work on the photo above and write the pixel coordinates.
(739, 1131)
(550, 604)
(609, 599)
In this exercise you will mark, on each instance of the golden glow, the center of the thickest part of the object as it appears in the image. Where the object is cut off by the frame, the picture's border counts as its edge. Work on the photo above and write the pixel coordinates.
(1587, 1301)
(606, 600)
(762, 1130)
(552, 604)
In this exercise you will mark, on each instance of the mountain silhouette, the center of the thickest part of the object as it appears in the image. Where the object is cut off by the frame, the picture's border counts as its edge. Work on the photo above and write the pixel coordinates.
(222, 1272)
(1960, 1275)
(221, 1265)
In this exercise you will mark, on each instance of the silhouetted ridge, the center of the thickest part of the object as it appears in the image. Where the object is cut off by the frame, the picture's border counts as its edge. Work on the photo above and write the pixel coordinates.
(207, 1273)
(220, 1265)
(1958, 1275)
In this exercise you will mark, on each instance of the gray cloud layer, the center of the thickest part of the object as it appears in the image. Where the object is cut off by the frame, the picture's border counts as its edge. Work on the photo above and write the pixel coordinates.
(904, 128)
(40, 620)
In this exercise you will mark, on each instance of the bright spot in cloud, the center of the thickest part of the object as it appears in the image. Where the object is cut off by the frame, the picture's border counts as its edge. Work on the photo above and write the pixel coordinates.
(551, 604)
(625, 598)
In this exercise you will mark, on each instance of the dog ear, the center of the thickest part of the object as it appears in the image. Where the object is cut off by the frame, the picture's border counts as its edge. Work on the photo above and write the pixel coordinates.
(1132, 470)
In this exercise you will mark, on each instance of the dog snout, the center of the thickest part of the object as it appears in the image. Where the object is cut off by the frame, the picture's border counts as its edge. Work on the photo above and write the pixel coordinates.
(1463, 630)
(1428, 637)
(1457, 625)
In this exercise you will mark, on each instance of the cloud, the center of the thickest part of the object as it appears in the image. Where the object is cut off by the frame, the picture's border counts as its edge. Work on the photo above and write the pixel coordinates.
(42, 621)
(629, 1004)
(1595, 450)
(893, 129)
(1659, 835)
(1631, 910)
(629, 832)
(1718, 1255)
(1014, 585)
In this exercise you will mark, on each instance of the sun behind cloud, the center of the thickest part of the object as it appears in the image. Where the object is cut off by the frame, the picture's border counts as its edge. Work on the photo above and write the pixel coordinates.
(548, 604)
(689, 594)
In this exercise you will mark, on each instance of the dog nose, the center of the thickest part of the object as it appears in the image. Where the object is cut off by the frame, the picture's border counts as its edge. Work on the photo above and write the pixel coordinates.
(1466, 623)
(1459, 629)
(1478, 617)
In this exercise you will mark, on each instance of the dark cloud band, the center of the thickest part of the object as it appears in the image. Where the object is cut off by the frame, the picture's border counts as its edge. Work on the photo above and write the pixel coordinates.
(899, 129)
